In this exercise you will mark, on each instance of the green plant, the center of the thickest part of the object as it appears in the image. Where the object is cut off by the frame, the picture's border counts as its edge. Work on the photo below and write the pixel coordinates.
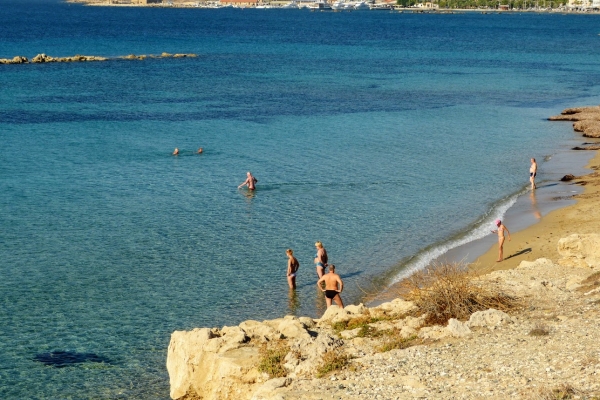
(272, 355)
(332, 360)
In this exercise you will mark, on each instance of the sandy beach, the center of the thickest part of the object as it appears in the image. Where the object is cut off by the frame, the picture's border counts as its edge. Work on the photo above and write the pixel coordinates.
(539, 240)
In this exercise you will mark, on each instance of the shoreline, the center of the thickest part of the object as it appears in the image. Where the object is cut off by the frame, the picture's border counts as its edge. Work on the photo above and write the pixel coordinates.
(552, 202)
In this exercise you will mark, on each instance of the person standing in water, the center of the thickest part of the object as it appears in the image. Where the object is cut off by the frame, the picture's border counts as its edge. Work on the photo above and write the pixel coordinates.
(176, 151)
(333, 287)
(292, 268)
(320, 259)
(250, 181)
(500, 231)
(533, 173)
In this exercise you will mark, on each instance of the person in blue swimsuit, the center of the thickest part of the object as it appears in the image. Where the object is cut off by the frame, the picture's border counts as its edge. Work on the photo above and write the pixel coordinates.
(320, 259)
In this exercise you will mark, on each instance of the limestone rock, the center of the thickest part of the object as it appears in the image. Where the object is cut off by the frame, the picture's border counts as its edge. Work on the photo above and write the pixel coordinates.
(19, 60)
(203, 364)
(265, 392)
(356, 310)
(580, 250)
(488, 318)
(292, 328)
(396, 307)
(433, 332)
(259, 331)
(333, 314)
(307, 322)
(350, 334)
(42, 58)
(457, 329)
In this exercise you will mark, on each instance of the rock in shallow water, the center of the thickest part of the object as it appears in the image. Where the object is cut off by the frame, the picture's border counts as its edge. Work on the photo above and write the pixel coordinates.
(61, 359)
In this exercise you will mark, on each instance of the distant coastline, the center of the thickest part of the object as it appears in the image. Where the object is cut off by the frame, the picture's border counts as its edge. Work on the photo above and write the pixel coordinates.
(421, 8)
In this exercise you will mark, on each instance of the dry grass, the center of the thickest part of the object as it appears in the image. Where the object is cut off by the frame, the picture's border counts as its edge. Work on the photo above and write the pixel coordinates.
(539, 330)
(564, 391)
(333, 360)
(272, 357)
(395, 341)
(451, 291)
(361, 321)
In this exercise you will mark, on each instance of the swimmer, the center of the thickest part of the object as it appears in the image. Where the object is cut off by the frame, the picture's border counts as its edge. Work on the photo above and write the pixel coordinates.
(533, 173)
(500, 231)
(320, 259)
(333, 287)
(200, 150)
(250, 181)
(176, 151)
(292, 268)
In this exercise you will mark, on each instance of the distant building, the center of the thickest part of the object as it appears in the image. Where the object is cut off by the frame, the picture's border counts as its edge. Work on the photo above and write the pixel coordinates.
(503, 7)
(146, 1)
(241, 3)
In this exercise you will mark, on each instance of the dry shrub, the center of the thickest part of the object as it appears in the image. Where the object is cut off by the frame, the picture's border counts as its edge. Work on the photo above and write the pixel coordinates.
(447, 291)
(333, 360)
(395, 341)
(272, 356)
(539, 330)
(564, 391)
(361, 321)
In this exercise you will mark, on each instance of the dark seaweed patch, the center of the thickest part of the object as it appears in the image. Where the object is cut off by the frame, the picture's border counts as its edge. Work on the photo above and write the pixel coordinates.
(61, 359)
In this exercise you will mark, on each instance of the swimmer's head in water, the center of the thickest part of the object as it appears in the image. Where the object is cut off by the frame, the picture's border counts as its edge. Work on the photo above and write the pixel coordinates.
(319, 245)
(497, 222)
(290, 252)
(332, 268)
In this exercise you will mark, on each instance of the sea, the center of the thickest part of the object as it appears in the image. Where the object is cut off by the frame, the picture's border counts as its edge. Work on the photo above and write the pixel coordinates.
(390, 137)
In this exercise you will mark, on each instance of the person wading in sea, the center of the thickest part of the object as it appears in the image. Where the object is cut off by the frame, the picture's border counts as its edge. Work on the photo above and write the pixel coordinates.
(333, 287)
(250, 181)
(320, 259)
(500, 231)
(532, 173)
(292, 268)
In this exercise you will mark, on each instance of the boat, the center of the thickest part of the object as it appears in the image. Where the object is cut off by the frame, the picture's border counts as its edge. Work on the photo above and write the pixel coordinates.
(348, 6)
(338, 5)
(290, 5)
(320, 5)
(361, 5)
(381, 6)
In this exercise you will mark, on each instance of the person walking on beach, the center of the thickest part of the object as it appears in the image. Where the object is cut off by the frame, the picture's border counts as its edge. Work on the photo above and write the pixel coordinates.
(333, 287)
(320, 258)
(292, 268)
(533, 173)
(250, 181)
(500, 231)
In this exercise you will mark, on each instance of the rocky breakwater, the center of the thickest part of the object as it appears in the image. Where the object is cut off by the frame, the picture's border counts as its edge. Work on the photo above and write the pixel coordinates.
(547, 346)
(585, 120)
(43, 58)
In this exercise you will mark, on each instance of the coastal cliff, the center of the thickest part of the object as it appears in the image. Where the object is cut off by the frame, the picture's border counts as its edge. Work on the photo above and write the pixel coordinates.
(545, 345)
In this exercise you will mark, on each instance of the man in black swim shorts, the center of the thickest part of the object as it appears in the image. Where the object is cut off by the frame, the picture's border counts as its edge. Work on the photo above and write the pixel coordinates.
(333, 287)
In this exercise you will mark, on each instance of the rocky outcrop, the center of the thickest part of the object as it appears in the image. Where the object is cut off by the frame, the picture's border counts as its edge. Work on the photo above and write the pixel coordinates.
(15, 60)
(487, 355)
(580, 250)
(585, 119)
(43, 58)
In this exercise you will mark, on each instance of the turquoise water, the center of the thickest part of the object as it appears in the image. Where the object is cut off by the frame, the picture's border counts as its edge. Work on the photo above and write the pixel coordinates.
(379, 134)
